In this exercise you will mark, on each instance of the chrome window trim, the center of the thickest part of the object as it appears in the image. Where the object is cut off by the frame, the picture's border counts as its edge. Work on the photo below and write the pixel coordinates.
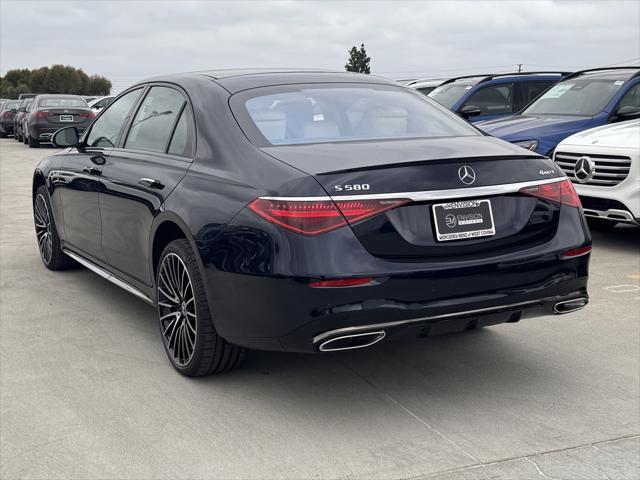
(430, 194)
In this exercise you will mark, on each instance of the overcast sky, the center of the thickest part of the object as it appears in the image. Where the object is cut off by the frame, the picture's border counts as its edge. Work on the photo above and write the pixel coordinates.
(129, 41)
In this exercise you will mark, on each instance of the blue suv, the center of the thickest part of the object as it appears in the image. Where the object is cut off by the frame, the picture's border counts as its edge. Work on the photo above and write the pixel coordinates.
(485, 97)
(583, 100)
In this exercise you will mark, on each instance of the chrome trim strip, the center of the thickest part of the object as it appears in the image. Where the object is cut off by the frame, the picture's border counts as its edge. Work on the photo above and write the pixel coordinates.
(378, 326)
(379, 335)
(108, 276)
(431, 194)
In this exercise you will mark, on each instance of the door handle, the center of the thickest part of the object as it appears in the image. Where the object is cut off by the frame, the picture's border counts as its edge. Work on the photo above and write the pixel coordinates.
(92, 171)
(151, 183)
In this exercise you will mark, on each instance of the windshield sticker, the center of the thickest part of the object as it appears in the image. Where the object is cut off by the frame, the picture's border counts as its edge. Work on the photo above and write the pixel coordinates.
(558, 90)
(618, 82)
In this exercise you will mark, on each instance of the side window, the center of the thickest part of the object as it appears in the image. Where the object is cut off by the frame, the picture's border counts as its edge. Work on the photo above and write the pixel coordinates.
(532, 90)
(153, 124)
(106, 129)
(181, 141)
(493, 99)
(631, 98)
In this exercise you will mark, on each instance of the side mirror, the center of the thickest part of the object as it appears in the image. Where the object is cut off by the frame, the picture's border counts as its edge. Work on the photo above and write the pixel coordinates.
(13, 110)
(627, 112)
(469, 111)
(66, 137)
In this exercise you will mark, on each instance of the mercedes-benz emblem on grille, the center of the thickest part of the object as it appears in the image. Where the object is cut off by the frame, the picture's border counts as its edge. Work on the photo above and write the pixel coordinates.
(584, 169)
(467, 175)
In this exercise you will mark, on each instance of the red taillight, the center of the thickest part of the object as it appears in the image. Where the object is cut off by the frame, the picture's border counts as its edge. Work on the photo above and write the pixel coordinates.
(41, 114)
(313, 217)
(88, 115)
(560, 192)
(7, 114)
(576, 252)
(341, 282)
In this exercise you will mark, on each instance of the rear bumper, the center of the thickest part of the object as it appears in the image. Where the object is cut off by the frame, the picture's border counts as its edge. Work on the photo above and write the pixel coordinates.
(44, 134)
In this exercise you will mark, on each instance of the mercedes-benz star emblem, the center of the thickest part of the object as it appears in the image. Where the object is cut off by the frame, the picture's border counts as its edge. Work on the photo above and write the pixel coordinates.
(584, 169)
(467, 175)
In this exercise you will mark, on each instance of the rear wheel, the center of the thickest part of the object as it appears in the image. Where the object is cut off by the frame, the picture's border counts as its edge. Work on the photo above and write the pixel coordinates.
(46, 233)
(189, 337)
(3, 134)
(25, 139)
(601, 224)
(33, 143)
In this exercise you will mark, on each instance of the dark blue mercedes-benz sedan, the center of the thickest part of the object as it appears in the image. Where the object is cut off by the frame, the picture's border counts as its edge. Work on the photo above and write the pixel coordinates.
(307, 211)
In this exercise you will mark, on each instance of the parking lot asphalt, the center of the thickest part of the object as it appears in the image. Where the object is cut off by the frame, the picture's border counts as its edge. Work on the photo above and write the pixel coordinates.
(86, 390)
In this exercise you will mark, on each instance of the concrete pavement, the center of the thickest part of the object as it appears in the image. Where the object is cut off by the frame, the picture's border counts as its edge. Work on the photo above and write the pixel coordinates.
(86, 390)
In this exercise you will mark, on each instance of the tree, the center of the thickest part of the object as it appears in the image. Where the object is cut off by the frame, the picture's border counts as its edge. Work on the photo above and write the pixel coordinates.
(54, 79)
(358, 60)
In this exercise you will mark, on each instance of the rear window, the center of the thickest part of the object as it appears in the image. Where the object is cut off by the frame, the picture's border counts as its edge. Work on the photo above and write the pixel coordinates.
(63, 102)
(10, 105)
(301, 114)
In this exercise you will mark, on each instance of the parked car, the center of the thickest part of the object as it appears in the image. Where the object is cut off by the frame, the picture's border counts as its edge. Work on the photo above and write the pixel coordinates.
(99, 103)
(426, 86)
(604, 165)
(307, 212)
(18, 119)
(22, 96)
(484, 97)
(583, 100)
(48, 113)
(7, 114)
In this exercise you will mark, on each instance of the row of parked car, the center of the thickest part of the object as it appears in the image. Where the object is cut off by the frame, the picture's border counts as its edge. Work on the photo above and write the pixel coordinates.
(587, 121)
(34, 118)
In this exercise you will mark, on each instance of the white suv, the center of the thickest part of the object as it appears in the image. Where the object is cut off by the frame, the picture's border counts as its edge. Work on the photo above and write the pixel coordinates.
(604, 165)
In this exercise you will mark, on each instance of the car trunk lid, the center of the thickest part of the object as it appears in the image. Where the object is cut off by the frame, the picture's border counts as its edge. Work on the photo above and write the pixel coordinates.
(480, 190)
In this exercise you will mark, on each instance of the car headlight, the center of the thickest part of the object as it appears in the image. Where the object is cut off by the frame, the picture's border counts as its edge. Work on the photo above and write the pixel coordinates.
(528, 144)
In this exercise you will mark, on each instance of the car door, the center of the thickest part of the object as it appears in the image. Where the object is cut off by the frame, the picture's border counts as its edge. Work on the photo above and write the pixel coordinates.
(80, 177)
(139, 175)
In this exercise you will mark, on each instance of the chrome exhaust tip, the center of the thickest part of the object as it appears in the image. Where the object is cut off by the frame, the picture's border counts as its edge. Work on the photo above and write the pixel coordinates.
(568, 306)
(351, 342)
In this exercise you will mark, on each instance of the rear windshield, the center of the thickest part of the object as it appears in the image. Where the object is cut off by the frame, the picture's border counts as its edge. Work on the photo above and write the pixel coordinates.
(63, 102)
(299, 114)
(581, 97)
(10, 105)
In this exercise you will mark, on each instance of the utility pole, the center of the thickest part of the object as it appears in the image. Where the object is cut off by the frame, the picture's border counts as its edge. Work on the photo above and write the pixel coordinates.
(520, 67)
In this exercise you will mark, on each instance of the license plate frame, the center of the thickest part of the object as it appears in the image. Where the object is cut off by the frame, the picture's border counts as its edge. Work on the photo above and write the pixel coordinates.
(463, 220)
(66, 118)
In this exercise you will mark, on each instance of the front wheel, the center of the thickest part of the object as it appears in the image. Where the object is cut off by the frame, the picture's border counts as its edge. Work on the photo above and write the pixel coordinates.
(190, 339)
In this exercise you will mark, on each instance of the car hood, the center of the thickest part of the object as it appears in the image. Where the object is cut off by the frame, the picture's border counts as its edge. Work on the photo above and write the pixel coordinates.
(530, 127)
(618, 135)
(322, 158)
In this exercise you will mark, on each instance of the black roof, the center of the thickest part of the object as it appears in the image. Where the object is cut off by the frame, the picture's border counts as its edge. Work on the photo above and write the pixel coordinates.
(479, 78)
(609, 73)
(235, 80)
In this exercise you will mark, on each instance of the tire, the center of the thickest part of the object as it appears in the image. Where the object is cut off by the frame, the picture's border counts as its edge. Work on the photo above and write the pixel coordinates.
(184, 314)
(4, 134)
(601, 224)
(47, 234)
(25, 139)
(33, 143)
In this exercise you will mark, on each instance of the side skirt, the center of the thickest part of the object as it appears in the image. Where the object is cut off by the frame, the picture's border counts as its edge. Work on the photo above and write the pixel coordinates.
(108, 276)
